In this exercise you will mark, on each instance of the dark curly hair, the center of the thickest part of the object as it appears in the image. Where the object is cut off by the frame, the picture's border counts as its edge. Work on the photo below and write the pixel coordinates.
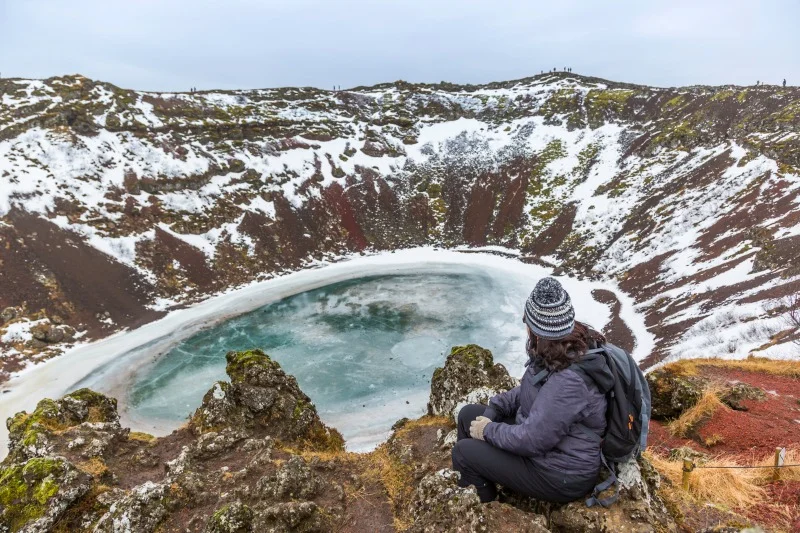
(559, 354)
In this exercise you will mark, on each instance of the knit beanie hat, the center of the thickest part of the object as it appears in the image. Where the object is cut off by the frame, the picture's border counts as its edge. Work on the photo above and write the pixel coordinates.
(548, 311)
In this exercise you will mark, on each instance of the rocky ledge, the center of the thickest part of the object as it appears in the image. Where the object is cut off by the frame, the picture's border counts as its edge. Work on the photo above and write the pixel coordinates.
(256, 457)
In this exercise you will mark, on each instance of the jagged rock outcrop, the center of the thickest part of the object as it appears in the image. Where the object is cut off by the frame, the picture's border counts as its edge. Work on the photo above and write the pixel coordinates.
(469, 375)
(83, 421)
(256, 457)
(258, 393)
(638, 510)
(35, 493)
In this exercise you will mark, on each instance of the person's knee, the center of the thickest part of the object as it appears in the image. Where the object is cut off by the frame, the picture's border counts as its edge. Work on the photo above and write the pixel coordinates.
(470, 412)
(465, 451)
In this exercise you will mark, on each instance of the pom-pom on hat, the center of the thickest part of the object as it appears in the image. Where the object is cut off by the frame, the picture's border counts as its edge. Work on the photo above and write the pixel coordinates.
(548, 311)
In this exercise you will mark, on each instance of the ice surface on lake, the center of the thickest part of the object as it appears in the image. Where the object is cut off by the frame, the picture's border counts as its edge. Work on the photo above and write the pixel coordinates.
(364, 350)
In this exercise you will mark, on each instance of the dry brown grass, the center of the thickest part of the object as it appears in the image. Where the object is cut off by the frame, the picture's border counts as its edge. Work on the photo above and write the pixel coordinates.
(766, 474)
(729, 487)
(427, 420)
(94, 467)
(724, 486)
(708, 404)
(395, 477)
(140, 436)
(689, 367)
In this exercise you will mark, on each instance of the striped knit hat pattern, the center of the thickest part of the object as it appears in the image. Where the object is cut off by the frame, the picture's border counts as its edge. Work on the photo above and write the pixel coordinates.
(548, 311)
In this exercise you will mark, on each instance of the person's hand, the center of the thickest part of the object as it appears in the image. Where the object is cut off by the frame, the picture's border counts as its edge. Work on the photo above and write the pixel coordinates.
(477, 426)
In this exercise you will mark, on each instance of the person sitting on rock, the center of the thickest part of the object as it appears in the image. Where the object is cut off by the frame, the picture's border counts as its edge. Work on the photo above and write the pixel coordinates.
(533, 439)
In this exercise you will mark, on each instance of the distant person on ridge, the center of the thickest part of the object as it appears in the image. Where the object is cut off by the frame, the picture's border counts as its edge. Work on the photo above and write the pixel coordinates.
(533, 439)
(784, 82)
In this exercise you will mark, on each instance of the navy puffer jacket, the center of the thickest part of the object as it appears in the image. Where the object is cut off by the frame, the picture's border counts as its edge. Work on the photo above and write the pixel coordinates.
(547, 414)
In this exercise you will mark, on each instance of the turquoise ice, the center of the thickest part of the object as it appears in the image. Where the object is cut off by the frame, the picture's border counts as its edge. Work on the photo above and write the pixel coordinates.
(364, 350)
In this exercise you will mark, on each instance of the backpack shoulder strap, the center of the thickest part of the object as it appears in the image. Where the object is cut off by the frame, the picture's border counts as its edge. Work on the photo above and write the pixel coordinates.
(541, 375)
(589, 433)
(600, 487)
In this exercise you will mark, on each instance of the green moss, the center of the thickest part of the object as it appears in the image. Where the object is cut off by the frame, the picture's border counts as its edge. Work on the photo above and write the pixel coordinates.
(721, 96)
(576, 253)
(749, 156)
(602, 104)
(564, 102)
(674, 103)
(473, 355)
(240, 362)
(26, 489)
(681, 135)
(545, 206)
(434, 190)
(788, 113)
(299, 407)
(741, 96)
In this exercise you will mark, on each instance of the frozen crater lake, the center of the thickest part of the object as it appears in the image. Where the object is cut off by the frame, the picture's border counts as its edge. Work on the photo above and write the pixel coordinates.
(362, 337)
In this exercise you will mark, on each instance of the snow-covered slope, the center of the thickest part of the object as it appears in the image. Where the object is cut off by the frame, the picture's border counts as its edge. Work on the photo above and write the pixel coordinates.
(115, 204)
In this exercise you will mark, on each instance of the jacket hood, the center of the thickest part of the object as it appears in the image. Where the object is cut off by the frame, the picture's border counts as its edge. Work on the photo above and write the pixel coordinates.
(594, 367)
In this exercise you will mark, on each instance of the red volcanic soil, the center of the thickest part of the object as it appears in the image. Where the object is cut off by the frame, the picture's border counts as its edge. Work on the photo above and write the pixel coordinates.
(767, 424)
(750, 436)
(781, 506)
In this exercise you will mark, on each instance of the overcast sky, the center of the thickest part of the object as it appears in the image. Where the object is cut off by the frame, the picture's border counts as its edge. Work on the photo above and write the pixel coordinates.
(175, 44)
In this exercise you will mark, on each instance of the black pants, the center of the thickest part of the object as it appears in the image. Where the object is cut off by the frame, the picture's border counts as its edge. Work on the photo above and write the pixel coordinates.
(483, 465)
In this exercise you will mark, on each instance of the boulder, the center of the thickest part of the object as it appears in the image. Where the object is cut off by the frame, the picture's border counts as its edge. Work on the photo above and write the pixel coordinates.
(233, 518)
(440, 505)
(262, 398)
(639, 508)
(8, 314)
(735, 393)
(673, 392)
(53, 333)
(141, 510)
(469, 375)
(299, 517)
(32, 434)
(35, 493)
(293, 480)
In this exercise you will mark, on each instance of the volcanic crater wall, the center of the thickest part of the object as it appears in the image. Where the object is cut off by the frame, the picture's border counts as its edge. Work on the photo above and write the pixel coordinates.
(117, 204)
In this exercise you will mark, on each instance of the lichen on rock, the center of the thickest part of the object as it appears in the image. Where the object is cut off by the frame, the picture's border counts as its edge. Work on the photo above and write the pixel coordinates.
(467, 368)
(30, 434)
(36, 492)
(262, 398)
(233, 518)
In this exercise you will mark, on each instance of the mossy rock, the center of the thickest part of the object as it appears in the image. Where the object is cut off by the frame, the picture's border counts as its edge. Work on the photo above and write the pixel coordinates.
(467, 368)
(29, 433)
(35, 493)
(673, 393)
(234, 518)
(249, 364)
(261, 398)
